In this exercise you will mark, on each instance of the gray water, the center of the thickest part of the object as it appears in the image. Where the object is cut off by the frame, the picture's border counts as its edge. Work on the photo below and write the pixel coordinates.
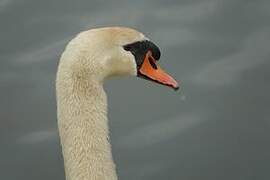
(215, 128)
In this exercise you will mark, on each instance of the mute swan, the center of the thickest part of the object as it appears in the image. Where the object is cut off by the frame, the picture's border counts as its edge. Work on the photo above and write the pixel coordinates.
(90, 58)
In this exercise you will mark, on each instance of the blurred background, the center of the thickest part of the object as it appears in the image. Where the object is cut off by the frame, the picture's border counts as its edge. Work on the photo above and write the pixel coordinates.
(216, 127)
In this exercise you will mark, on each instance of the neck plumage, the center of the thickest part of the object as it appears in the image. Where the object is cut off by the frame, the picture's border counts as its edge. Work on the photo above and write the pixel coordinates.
(83, 128)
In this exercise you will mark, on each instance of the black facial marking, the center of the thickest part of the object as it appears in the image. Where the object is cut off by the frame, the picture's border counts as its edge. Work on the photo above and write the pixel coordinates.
(139, 50)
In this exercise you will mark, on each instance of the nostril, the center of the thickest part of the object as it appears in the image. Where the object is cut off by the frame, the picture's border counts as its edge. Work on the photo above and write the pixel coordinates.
(152, 62)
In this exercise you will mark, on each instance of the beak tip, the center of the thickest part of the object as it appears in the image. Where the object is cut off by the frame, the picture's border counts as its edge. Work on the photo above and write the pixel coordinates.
(176, 88)
(175, 85)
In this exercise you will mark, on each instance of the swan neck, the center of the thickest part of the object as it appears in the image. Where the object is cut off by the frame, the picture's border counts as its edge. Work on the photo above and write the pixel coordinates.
(83, 129)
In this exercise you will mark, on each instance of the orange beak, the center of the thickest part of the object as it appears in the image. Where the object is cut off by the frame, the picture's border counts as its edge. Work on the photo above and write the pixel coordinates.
(152, 71)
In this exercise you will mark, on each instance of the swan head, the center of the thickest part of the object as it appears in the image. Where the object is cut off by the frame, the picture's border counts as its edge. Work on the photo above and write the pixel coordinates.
(104, 52)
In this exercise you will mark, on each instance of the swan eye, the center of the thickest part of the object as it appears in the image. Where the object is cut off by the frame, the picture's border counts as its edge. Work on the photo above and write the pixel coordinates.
(127, 47)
